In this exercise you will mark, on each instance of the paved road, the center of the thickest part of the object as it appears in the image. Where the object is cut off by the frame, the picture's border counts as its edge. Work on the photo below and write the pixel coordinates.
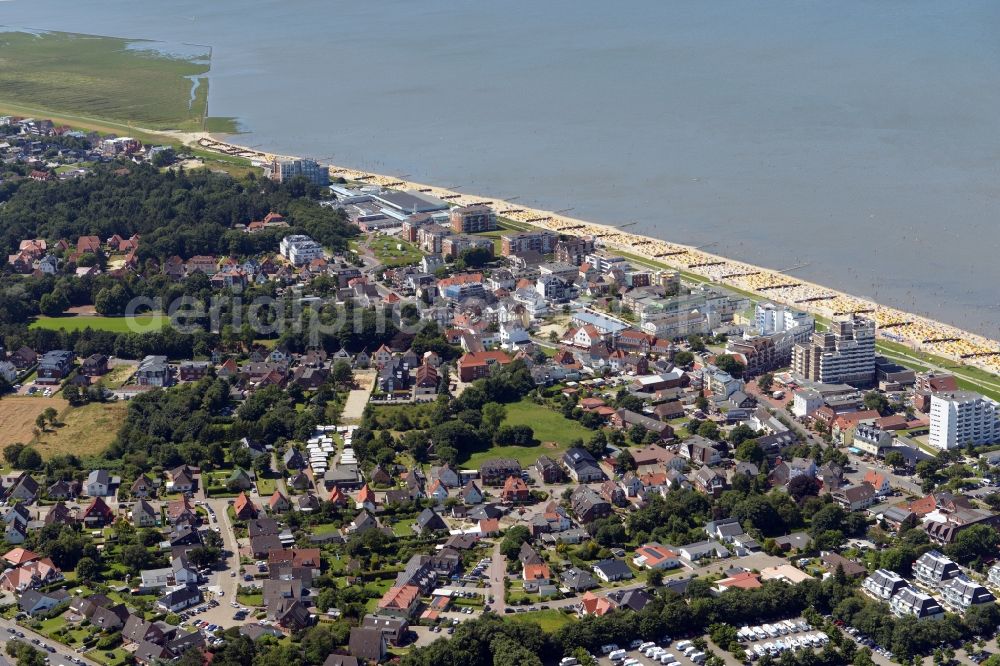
(497, 572)
(62, 654)
(222, 579)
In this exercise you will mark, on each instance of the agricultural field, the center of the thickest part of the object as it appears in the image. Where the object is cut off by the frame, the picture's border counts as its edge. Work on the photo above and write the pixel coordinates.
(115, 83)
(553, 434)
(83, 431)
(18, 414)
(137, 324)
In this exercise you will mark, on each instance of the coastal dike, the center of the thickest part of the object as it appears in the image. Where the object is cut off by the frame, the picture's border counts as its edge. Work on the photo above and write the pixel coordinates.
(913, 331)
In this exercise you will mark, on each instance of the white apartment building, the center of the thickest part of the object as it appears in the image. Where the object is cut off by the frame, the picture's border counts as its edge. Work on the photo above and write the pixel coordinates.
(679, 325)
(961, 417)
(843, 355)
(284, 170)
(300, 249)
(770, 318)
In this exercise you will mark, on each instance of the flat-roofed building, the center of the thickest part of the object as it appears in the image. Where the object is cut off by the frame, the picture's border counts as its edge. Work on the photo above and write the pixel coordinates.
(285, 170)
(542, 242)
(960, 418)
(845, 354)
(473, 219)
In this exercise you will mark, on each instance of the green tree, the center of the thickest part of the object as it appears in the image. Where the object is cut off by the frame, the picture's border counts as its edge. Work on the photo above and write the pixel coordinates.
(895, 459)
(493, 416)
(341, 374)
(29, 459)
(683, 359)
(728, 363)
(625, 462)
(11, 452)
(765, 382)
(750, 451)
(87, 569)
(973, 543)
(877, 401)
(709, 430)
(512, 540)
(53, 304)
(740, 434)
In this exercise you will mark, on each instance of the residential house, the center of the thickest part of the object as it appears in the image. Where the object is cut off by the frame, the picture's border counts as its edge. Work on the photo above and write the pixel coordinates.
(611, 570)
(582, 466)
(400, 601)
(243, 508)
(578, 580)
(367, 643)
(143, 487)
(883, 584)
(933, 569)
(655, 556)
(97, 514)
(495, 472)
(101, 484)
(855, 498)
(880, 482)
(908, 601)
(144, 515)
(709, 481)
(515, 491)
(34, 602)
(587, 505)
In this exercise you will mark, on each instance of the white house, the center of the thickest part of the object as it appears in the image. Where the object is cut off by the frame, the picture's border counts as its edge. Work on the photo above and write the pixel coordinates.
(99, 483)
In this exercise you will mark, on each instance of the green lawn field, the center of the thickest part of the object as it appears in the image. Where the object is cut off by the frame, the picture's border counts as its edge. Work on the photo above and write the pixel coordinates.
(387, 250)
(138, 324)
(131, 82)
(553, 434)
(548, 620)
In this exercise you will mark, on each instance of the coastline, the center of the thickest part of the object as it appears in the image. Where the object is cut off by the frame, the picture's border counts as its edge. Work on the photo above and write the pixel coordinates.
(919, 333)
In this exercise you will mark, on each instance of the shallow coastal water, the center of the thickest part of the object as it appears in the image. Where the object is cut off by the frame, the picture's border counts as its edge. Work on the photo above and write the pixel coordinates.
(859, 138)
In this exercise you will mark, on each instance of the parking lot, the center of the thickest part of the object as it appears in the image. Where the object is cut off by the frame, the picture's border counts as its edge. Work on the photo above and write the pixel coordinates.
(649, 653)
(777, 637)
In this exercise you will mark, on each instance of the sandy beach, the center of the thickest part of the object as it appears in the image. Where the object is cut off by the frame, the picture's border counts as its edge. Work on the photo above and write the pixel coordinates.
(917, 332)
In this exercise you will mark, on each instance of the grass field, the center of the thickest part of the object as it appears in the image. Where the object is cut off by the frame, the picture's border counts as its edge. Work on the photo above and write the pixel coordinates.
(387, 250)
(123, 81)
(86, 430)
(553, 432)
(548, 620)
(138, 324)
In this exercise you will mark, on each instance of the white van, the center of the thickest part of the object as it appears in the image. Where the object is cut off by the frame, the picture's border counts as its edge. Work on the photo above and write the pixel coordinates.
(617, 655)
(697, 657)
(569, 661)
(667, 658)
